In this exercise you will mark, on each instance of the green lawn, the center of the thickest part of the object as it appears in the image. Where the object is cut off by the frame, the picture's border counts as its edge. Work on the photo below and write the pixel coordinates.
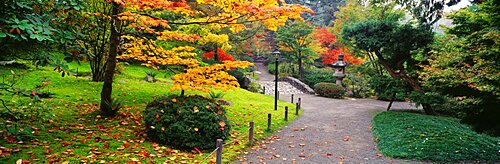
(77, 134)
(422, 137)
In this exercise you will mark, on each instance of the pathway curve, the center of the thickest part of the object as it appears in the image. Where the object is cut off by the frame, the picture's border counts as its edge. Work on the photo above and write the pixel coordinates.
(329, 131)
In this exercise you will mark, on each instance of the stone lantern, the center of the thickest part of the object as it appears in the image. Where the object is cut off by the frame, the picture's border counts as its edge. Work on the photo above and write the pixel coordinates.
(339, 68)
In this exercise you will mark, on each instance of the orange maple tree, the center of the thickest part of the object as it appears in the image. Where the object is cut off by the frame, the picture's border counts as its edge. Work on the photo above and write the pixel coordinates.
(135, 21)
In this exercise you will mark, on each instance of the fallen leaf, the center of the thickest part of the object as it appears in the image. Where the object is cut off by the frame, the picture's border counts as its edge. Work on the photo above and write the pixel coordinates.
(222, 123)
(346, 138)
(48, 151)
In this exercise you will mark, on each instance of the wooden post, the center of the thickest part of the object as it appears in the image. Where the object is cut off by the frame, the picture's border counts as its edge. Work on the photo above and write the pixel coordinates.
(300, 102)
(218, 159)
(292, 99)
(269, 121)
(286, 113)
(296, 108)
(250, 133)
(264, 89)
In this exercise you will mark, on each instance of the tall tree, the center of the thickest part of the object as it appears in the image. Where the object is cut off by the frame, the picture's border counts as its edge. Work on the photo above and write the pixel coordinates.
(144, 22)
(94, 39)
(296, 38)
(394, 45)
(464, 65)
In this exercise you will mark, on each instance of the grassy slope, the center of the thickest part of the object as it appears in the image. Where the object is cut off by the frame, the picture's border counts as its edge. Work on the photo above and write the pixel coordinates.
(422, 137)
(73, 130)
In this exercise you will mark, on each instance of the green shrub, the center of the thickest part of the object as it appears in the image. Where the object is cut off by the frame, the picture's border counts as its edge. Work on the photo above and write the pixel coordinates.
(315, 76)
(255, 87)
(271, 68)
(357, 85)
(186, 122)
(330, 90)
(385, 87)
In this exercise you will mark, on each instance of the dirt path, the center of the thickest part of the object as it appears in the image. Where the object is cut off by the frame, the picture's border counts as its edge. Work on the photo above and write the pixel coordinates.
(329, 131)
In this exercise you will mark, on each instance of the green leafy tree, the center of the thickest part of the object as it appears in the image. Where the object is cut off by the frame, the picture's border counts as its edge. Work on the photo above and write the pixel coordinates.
(464, 65)
(295, 39)
(322, 10)
(31, 29)
(394, 45)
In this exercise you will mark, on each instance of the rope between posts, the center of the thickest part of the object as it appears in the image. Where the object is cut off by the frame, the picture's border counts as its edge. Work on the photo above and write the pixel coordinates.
(212, 153)
(204, 159)
(227, 143)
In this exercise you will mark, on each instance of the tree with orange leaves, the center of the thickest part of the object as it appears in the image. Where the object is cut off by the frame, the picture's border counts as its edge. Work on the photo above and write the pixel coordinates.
(328, 51)
(139, 25)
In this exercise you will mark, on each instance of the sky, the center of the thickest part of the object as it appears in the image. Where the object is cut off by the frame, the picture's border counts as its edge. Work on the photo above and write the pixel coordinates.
(461, 4)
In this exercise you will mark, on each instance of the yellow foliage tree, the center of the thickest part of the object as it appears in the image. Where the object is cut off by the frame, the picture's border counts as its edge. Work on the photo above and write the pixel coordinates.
(143, 19)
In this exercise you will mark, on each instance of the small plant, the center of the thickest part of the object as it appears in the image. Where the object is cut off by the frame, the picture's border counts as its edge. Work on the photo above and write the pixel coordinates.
(151, 76)
(16, 131)
(216, 95)
(255, 87)
(186, 122)
(115, 105)
(329, 90)
(357, 85)
(120, 67)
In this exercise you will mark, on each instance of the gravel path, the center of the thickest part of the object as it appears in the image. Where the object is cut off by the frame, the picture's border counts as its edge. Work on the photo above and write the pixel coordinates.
(329, 131)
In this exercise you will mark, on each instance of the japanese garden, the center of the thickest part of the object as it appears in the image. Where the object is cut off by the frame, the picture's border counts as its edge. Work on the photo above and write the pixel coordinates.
(249, 81)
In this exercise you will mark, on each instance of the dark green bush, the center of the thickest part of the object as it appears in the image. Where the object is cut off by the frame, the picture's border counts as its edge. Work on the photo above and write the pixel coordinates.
(315, 76)
(330, 90)
(186, 122)
(240, 76)
(357, 85)
(385, 87)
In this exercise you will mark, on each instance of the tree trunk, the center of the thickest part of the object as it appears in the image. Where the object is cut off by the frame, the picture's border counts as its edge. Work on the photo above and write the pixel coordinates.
(301, 68)
(107, 88)
(392, 100)
(216, 53)
(402, 74)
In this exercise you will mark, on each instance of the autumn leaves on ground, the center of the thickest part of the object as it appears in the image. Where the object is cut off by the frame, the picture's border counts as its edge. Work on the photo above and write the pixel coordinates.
(77, 133)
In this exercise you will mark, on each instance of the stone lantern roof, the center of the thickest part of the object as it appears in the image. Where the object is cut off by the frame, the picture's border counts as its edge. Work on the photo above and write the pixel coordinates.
(339, 63)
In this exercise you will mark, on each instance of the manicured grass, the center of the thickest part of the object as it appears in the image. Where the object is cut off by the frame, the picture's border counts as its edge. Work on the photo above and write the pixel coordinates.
(78, 134)
(422, 137)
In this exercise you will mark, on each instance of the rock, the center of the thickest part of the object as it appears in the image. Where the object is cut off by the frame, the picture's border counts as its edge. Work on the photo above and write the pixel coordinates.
(224, 102)
(283, 87)
(150, 79)
(298, 84)
(245, 82)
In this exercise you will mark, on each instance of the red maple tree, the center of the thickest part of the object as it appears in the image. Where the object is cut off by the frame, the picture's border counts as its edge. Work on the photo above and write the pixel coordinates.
(330, 53)
(221, 54)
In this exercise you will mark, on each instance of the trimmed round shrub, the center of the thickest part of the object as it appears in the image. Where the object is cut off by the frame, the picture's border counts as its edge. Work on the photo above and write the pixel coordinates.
(186, 122)
(330, 90)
